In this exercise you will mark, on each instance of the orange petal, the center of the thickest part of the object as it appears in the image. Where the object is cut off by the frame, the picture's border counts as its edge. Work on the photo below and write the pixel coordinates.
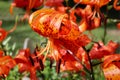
(112, 72)
(3, 34)
(110, 58)
(115, 5)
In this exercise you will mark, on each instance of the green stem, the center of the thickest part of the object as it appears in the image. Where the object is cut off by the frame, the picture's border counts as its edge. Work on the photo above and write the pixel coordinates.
(105, 26)
(105, 33)
(97, 64)
(91, 67)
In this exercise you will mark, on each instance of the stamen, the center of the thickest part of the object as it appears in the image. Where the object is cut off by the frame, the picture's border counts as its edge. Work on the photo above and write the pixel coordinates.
(58, 63)
(31, 60)
(41, 65)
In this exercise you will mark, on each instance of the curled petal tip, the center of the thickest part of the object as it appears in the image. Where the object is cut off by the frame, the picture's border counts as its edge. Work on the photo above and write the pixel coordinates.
(11, 8)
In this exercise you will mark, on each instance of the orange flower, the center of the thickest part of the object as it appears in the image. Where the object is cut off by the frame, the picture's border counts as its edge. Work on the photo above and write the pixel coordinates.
(6, 64)
(25, 4)
(111, 67)
(63, 36)
(29, 62)
(51, 23)
(90, 19)
(99, 50)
